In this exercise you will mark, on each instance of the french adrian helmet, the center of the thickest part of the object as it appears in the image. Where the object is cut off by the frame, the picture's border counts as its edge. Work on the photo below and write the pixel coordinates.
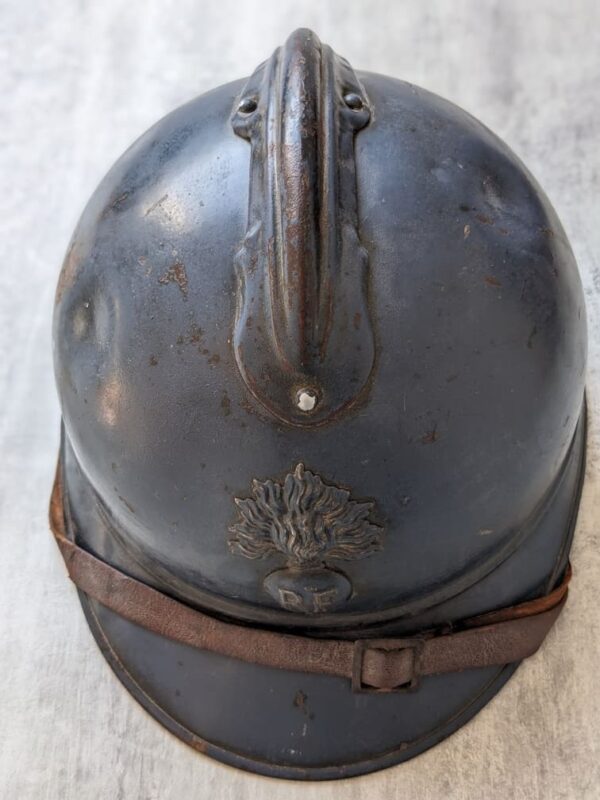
(320, 347)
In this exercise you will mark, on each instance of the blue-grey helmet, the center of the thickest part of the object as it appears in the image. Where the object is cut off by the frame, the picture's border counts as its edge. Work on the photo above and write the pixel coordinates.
(320, 347)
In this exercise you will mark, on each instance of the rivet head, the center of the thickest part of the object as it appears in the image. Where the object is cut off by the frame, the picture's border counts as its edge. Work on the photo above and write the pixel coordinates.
(306, 400)
(247, 105)
(353, 101)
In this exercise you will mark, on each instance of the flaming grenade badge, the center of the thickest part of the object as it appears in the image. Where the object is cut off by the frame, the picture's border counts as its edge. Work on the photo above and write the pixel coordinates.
(311, 523)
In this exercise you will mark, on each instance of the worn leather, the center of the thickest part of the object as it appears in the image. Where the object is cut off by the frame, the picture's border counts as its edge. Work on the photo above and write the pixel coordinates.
(496, 638)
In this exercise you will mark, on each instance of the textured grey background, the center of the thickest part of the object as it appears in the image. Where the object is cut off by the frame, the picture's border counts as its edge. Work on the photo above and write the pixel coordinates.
(79, 81)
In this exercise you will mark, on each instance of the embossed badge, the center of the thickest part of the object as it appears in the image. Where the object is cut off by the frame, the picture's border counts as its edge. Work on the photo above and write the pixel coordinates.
(310, 522)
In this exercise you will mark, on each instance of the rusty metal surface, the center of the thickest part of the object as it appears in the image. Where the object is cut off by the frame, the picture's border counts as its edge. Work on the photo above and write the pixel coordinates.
(495, 61)
(458, 404)
(497, 485)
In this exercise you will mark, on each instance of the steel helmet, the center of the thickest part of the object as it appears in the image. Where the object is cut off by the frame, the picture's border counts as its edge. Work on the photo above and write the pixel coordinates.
(320, 348)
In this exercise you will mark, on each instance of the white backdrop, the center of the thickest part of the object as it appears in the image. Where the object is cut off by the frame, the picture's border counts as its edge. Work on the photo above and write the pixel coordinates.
(78, 82)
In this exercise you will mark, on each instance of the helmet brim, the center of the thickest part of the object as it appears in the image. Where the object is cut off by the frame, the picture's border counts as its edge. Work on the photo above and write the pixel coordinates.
(290, 724)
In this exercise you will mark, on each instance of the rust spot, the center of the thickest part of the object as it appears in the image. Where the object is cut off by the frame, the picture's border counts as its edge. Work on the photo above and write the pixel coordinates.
(548, 232)
(484, 219)
(153, 360)
(431, 436)
(193, 336)
(198, 744)
(491, 281)
(226, 404)
(300, 700)
(245, 404)
(249, 321)
(195, 333)
(301, 703)
(214, 359)
(176, 274)
(357, 320)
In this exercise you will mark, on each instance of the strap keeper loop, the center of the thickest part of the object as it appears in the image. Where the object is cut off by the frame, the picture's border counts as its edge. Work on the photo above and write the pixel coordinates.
(362, 647)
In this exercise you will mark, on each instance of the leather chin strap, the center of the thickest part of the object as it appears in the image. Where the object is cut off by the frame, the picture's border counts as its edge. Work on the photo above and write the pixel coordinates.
(372, 665)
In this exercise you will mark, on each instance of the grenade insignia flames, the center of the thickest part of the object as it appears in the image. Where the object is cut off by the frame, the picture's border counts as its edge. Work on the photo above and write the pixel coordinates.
(310, 522)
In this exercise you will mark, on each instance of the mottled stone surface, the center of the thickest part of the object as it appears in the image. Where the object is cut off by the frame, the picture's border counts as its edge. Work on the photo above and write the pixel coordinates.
(79, 81)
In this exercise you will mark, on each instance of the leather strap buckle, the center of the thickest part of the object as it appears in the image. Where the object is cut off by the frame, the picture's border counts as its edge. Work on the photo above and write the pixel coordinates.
(389, 650)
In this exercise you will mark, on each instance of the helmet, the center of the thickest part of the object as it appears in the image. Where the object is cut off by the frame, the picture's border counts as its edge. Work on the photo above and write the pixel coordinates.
(320, 347)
